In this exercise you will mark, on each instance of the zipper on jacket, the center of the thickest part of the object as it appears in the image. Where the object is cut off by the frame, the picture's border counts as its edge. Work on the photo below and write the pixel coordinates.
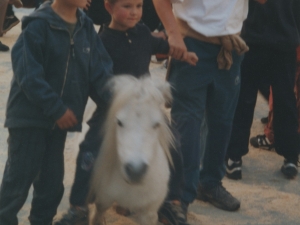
(64, 82)
(71, 51)
(72, 48)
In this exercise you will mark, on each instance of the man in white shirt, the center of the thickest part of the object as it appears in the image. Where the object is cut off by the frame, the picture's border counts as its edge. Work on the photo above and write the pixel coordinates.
(207, 91)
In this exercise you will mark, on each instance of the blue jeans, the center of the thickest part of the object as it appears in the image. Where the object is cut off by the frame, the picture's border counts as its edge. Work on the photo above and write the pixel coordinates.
(203, 91)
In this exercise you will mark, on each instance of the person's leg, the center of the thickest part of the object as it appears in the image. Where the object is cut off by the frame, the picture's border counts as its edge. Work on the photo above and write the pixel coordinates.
(266, 140)
(9, 11)
(251, 78)
(222, 98)
(285, 121)
(176, 177)
(16, 3)
(88, 151)
(3, 47)
(10, 19)
(48, 185)
(221, 103)
(170, 211)
(269, 126)
(297, 86)
(26, 148)
(188, 108)
(3, 6)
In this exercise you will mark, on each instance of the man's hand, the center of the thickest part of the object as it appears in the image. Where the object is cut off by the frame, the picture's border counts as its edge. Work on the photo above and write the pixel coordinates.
(68, 120)
(177, 46)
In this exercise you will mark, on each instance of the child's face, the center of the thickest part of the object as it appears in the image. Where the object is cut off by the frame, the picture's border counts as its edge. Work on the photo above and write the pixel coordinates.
(125, 14)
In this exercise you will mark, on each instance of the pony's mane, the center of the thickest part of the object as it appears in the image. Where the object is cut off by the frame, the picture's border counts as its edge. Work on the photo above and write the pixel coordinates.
(126, 88)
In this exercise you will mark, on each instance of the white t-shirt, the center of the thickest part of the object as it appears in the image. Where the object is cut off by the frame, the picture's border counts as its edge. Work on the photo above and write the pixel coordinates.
(212, 17)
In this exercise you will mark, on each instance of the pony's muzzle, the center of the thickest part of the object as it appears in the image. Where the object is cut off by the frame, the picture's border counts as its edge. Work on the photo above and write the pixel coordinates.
(136, 172)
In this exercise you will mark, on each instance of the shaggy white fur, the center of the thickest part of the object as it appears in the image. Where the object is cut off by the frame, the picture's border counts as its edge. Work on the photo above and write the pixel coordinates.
(132, 169)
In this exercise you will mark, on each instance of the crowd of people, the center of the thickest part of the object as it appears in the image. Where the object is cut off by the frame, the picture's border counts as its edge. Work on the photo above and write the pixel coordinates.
(221, 55)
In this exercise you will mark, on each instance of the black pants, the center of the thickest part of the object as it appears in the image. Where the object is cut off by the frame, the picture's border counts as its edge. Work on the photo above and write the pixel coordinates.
(35, 156)
(266, 66)
(88, 151)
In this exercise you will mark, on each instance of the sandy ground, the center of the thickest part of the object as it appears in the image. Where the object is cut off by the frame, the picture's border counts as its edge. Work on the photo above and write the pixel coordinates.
(267, 198)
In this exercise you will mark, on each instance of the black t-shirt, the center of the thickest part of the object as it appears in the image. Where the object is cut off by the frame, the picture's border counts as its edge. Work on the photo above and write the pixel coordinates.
(131, 50)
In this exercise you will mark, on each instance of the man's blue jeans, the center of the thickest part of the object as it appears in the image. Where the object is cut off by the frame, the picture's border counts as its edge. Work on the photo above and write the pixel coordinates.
(203, 91)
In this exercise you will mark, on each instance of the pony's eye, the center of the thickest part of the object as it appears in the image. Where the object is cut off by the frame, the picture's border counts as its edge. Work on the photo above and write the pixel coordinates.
(156, 125)
(120, 123)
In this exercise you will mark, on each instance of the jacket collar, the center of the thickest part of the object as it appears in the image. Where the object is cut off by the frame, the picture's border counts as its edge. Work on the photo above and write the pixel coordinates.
(46, 12)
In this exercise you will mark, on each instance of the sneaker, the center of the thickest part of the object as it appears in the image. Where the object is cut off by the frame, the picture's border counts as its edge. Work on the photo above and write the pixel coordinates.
(173, 213)
(289, 168)
(75, 216)
(219, 197)
(3, 48)
(261, 141)
(264, 120)
(9, 23)
(234, 169)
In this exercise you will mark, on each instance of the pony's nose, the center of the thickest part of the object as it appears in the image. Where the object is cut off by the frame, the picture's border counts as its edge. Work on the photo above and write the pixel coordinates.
(136, 172)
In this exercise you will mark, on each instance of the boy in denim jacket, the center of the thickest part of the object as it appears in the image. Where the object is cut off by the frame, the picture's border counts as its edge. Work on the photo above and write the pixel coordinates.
(58, 62)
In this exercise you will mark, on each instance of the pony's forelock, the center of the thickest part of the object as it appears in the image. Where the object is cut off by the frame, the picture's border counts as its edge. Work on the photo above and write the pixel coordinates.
(125, 88)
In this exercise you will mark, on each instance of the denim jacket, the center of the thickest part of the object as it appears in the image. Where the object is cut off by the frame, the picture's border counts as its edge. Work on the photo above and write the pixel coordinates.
(54, 71)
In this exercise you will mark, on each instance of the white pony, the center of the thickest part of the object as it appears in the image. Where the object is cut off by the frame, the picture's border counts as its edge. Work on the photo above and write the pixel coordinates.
(132, 169)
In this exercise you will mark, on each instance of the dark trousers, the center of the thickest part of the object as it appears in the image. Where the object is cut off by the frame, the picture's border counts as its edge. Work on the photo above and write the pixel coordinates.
(35, 156)
(199, 89)
(264, 65)
(88, 151)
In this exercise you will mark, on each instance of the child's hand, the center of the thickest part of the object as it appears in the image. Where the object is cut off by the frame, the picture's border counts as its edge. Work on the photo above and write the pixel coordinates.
(67, 120)
(191, 58)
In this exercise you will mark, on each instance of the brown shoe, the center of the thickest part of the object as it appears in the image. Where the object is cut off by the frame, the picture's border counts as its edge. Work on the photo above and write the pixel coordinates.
(219, 197)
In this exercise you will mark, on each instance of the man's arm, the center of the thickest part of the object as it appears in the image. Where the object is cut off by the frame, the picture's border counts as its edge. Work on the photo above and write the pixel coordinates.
(164, 10)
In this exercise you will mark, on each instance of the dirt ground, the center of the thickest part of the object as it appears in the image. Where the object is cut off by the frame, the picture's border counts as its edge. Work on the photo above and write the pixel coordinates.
(267, 198)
